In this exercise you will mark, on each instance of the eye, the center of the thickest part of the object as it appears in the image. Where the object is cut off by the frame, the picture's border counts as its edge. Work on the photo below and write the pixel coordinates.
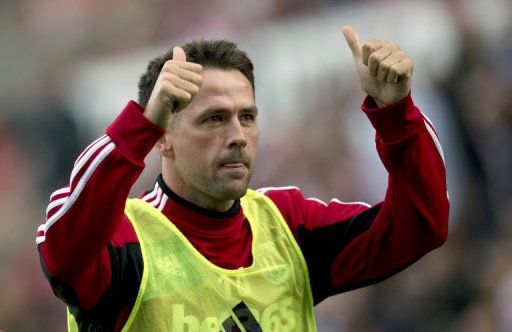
(214, 118)
(247, 117)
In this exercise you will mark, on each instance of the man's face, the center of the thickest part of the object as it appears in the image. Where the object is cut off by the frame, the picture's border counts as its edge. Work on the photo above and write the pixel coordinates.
(214, 139)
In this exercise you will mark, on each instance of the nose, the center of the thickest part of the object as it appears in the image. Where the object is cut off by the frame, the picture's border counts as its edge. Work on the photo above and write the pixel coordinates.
(237, 137)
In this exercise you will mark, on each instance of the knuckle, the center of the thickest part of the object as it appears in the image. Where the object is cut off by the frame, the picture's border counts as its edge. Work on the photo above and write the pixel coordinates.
(182, 94)
(168, 85)
(196, 79)
(374, 57)
(194, 67)
(386, 64)
(163, 88)
(173, 91)
(367, 46)
(394, 69)
(166, 77)
(166, 65)
(169, 73)
(194, 89)
(174, 68)
(169, 66)
(394, 73)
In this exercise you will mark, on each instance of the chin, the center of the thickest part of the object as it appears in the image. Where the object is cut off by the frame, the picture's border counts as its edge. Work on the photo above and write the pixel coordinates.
(233, 190)
(235, 193)
(227, 188)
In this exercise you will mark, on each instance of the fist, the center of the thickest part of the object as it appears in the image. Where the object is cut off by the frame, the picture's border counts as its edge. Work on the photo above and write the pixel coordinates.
(176, 86)
(383, 70)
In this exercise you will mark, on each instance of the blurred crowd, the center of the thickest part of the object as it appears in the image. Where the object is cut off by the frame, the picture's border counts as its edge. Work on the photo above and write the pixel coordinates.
(466, 285)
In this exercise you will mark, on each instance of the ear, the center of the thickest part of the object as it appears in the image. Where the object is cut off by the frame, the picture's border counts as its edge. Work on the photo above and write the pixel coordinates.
(164, 146)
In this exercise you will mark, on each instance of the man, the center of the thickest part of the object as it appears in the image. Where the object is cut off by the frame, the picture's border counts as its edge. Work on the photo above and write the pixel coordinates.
(202, 252)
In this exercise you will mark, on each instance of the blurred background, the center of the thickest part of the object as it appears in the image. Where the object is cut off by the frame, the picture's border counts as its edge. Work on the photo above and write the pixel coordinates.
(68, 67)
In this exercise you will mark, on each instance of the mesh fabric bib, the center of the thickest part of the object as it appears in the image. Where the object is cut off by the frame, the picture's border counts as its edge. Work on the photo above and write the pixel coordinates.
(182, 291)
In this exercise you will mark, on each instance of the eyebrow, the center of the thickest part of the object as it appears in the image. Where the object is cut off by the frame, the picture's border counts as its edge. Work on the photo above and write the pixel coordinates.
(217, 109)
(253, 109)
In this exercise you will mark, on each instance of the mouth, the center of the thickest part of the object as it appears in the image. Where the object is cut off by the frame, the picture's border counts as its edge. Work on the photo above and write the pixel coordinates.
(234, 165)
(236, 162)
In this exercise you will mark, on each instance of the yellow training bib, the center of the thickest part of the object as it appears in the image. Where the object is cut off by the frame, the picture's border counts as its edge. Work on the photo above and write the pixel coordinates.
(182, 291)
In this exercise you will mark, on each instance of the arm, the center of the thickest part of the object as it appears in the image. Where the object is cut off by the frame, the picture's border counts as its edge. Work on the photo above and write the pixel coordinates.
(354, 245)
(83, 218)
(413, 219)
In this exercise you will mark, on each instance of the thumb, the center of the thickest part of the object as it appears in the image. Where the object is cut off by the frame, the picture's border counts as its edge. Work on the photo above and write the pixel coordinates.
(353, 41)
(178, 54)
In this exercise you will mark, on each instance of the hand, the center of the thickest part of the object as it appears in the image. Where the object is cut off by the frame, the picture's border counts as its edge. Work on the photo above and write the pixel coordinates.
(383, 70)
(176, 86)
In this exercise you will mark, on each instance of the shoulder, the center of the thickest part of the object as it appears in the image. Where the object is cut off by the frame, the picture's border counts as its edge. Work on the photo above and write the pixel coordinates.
(286, 199)
(281, 194)
(310, 212)
(289, 201)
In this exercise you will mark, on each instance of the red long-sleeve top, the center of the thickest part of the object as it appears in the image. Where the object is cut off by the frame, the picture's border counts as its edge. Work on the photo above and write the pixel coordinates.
(91, 255)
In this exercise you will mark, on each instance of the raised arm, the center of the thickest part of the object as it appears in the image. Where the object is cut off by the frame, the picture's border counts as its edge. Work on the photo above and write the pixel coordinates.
(83, 217)
(350, 245)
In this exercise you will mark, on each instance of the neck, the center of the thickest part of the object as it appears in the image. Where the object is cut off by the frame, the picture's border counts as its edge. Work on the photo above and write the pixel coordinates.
(195, 196)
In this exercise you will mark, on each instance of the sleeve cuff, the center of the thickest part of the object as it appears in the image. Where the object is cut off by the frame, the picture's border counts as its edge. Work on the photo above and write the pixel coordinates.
(133, 134)
(395, 121)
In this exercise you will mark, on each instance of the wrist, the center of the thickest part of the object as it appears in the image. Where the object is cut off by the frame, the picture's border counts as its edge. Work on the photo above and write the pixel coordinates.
(133, 133)
(397, 99)
(395, 121)
(155, 118)
(379, 103)
(155, 115)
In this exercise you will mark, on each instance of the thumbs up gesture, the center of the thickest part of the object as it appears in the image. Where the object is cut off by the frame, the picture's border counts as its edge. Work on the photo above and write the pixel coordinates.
(177, 84)
(383, 70)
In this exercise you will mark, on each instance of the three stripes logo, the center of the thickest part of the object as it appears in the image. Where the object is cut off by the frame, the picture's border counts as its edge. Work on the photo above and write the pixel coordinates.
(244, 317)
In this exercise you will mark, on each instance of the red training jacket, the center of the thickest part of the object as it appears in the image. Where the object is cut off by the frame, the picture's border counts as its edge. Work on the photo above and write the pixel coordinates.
(91, 255)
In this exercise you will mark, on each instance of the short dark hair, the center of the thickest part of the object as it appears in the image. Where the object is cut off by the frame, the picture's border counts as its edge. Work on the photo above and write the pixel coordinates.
(220, 54)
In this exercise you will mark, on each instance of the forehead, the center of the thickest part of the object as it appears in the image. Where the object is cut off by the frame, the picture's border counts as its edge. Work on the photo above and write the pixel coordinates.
(226, 88)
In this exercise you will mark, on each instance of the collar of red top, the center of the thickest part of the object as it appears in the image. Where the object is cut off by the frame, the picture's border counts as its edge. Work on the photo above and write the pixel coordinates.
(191, 218)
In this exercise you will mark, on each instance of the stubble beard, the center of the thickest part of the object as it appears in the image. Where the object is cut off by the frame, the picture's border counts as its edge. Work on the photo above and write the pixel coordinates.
(217, 187)
(229, 188)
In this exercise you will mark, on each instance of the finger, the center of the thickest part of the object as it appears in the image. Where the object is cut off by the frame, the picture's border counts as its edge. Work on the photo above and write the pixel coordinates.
(376, 58)
(178, 54)
(385, 65)
(400, 71)
(369, 47)
(186, 70)
(195, 67)
(180, 98)
(176, 67)
(175, 70)
(408, 68)
(352, 38)
(190, 76)
(393, 73)
(185, 85)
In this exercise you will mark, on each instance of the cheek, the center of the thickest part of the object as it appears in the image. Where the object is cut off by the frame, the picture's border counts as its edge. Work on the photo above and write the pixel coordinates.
(194, 152)
(253, 138)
